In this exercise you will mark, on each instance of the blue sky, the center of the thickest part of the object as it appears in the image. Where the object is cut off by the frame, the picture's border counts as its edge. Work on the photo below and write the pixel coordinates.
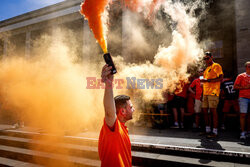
(12, 8)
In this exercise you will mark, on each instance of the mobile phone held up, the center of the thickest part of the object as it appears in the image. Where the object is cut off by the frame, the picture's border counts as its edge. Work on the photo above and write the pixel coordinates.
(108, 59)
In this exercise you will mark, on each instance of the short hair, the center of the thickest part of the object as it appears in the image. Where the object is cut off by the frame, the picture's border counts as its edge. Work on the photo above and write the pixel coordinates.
(248, 62)
(208, 54)
(121, 101)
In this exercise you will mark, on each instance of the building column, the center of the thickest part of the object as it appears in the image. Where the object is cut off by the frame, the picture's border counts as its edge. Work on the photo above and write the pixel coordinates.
(5, 47)
(27, 44)
(86, 41)
(242, 15)
(54, 31)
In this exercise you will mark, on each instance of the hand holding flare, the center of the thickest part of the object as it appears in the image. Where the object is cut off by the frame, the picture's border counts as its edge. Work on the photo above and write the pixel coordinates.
(93, 11)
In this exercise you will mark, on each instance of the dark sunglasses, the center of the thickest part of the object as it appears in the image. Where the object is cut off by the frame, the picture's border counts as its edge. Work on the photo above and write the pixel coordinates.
(206, 58)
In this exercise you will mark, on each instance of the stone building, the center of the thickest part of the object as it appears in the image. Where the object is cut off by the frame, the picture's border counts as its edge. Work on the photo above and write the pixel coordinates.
(227, 25)
(19, 33)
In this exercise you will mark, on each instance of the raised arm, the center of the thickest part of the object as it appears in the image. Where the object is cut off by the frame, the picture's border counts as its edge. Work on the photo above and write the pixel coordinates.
(108, 100)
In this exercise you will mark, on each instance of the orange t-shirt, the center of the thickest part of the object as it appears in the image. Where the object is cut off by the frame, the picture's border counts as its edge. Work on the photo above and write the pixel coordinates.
(114, 147)
(212, 72)
(243, 80)
(183, 91)
(198, 88)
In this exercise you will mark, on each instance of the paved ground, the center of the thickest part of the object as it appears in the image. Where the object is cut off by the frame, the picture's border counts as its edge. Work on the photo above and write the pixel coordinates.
(227, 141)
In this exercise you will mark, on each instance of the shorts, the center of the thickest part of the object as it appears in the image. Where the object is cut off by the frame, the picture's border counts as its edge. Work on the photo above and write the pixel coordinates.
(210, 101)
(231, 103)
(244, 105)
(197, 106)
(179, 102)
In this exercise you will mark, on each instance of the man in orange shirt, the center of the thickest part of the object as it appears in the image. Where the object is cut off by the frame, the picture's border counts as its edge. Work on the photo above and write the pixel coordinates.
(114, 145)
(196, 89)
(242, 83)
(179, 101)
(213, 75)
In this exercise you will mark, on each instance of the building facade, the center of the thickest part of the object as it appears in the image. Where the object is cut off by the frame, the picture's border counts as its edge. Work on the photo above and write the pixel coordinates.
(242, 30)
(19, 33)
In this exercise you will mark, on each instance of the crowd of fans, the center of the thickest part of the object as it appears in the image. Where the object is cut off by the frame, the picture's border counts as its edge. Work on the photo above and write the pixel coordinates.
(211, 96)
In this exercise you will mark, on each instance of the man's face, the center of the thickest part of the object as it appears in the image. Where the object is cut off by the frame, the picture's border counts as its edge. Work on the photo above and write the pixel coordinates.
(208, 60)
(248, 68)
(129, 110)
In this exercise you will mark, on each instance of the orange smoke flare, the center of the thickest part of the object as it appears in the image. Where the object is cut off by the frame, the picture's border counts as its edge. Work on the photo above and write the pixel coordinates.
(93, 11)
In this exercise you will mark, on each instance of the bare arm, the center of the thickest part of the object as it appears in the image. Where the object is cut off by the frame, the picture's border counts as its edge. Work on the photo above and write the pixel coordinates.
(191, 90)
(218, 79)
(108, 100)
(237, 86)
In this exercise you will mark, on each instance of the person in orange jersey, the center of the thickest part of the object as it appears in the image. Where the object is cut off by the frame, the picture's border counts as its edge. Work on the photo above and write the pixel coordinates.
(242, 83)
(114, 145)
(180, 101)
(213, 76)
(196, 89)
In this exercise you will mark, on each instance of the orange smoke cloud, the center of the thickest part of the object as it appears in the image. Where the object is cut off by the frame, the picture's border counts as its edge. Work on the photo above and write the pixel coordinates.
(172, 60)
(93, 10)
(49, 91)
